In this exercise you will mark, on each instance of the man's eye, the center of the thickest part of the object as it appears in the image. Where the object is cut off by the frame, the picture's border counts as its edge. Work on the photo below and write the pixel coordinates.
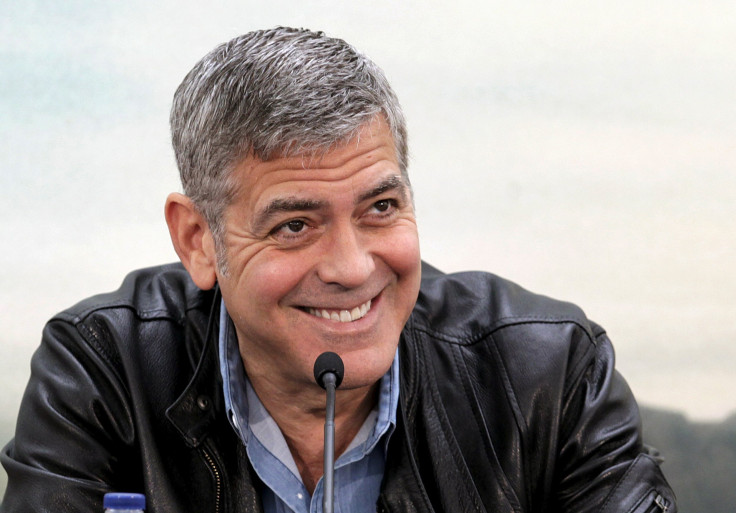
(294, 226)
(383, 205)
(292, 232)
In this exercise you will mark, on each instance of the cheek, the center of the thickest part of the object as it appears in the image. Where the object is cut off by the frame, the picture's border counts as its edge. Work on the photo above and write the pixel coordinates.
(271, 277)
(401, 253)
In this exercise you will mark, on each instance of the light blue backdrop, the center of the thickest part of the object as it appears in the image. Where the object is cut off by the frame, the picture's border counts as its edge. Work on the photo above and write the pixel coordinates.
(586, 150)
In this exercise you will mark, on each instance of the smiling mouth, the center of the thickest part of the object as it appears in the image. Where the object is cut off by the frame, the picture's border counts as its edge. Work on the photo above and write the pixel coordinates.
(341, 315)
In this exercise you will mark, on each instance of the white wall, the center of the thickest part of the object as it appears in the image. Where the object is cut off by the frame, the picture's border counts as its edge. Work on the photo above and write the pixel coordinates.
(584, 150)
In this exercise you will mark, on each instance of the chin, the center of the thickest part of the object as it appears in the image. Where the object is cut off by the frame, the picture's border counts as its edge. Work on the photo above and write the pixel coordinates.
(365, 370)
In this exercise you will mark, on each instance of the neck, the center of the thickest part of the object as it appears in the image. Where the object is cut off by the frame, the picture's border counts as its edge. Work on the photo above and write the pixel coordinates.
(300, 414)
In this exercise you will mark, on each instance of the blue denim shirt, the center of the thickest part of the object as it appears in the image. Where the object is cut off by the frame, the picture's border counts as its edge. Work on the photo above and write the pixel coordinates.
(358, 471)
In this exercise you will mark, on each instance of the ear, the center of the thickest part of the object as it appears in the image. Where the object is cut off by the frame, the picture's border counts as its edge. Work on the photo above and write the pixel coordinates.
(192, 240)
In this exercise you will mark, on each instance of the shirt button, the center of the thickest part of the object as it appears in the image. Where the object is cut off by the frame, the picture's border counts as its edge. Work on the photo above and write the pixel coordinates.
(203, 402)
(299, 496)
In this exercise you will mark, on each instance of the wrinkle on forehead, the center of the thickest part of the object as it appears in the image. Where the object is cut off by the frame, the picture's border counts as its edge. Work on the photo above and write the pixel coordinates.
(294, 203)
(371, 146)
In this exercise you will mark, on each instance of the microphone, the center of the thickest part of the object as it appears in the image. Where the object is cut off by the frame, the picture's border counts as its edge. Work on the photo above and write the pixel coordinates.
(328, 372)
(328, 362)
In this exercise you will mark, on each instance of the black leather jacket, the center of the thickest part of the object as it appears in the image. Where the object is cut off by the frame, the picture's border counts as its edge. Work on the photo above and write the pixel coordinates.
(509, 402)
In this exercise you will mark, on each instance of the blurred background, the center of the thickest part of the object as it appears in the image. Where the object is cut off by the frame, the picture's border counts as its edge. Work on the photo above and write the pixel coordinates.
(584, 150)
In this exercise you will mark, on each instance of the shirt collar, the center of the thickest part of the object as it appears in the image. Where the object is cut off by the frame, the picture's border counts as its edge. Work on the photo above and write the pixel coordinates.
(239, 397)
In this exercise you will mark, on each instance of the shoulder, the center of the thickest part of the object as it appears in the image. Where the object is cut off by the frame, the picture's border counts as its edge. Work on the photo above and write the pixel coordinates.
(160, 292)
(489, 322)
(156, 311)
(468, 306)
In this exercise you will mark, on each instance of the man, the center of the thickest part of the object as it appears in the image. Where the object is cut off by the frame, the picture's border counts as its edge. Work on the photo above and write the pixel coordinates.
(297, 235)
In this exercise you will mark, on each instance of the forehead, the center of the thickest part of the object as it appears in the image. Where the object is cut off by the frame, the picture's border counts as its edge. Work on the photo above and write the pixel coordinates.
(360, 163)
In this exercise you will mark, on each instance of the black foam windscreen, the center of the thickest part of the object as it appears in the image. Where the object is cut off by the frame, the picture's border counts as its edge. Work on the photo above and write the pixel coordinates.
(328, 362)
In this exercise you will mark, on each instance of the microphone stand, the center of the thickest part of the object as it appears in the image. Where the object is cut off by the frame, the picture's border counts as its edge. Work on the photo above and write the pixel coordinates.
(328, 373)
(329, 456)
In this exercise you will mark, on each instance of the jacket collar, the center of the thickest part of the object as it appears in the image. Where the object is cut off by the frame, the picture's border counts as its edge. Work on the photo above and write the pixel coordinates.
(196, 409)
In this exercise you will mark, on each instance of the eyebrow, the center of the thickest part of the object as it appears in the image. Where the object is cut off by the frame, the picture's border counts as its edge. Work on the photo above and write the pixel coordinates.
(294, 204)
(391, 183)
(284, 205)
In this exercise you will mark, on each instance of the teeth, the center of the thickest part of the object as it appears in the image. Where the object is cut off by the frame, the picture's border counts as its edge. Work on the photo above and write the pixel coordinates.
(342, 315)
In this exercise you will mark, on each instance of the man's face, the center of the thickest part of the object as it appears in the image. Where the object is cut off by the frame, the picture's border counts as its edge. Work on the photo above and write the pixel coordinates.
(323, 255)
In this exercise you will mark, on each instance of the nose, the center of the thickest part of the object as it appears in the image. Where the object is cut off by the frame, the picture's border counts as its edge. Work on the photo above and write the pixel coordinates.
(347, 260)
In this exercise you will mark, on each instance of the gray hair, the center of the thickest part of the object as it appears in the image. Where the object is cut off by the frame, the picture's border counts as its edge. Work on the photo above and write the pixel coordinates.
(282, 92)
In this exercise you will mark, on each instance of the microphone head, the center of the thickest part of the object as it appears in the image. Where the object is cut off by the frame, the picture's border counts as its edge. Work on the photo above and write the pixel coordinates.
(328, 362)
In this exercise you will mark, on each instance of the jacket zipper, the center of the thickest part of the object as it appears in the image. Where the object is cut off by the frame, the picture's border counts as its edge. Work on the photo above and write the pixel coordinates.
(661, 503)
(218, 479)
